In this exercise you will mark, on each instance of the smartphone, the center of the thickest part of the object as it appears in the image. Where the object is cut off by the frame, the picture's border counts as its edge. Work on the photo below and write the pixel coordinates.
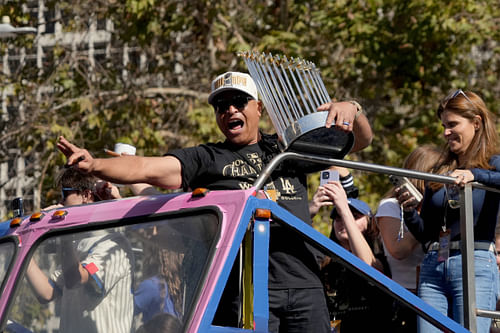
(398, 181)
(328, 176)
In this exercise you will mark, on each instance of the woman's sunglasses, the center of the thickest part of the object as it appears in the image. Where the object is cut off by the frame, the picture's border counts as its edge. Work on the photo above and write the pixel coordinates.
(456, 93)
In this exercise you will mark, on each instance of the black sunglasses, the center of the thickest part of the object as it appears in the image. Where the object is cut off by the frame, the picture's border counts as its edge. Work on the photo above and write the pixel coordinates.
(238, 101)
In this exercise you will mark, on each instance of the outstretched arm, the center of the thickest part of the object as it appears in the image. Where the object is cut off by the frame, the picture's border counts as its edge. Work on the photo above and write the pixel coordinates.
(163, 171)
(362, 133)
(143, 189)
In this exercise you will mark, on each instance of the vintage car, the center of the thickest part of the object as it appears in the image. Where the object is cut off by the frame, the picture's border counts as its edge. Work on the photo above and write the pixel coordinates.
(186, 240)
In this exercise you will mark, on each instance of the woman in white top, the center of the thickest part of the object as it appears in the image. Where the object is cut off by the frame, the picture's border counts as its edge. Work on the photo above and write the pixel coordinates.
(404, 253)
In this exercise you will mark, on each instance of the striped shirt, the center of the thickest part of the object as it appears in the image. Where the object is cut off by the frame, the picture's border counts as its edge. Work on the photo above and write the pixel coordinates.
(105, 303)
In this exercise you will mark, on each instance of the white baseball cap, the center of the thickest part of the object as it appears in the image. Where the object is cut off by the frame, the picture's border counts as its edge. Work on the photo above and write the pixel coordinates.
(233, 81)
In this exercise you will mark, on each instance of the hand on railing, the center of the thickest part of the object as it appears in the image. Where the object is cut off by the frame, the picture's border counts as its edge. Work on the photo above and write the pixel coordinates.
(462, 176)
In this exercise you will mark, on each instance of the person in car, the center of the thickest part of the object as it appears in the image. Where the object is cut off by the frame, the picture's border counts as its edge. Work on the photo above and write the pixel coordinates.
(296, 299)
(94, 282)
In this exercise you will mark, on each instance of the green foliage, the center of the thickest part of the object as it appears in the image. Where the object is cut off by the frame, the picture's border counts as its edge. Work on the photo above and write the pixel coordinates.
(398, 58)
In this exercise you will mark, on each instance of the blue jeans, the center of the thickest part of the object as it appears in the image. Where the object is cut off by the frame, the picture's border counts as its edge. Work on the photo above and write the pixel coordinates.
(441, 287)
(298, 310)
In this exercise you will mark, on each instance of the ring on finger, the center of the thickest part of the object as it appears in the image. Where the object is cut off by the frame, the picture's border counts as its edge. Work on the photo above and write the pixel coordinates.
(346, 123)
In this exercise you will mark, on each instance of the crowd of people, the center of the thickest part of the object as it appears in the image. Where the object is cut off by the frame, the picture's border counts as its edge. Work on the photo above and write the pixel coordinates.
(421, 236)
(415, 241)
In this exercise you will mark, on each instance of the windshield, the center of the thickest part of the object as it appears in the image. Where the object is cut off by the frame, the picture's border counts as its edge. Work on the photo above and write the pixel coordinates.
(6, 254)
(124, 279)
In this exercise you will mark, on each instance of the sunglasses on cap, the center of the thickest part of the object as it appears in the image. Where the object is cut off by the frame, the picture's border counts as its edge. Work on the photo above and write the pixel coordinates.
(455, 94)
(238, 101)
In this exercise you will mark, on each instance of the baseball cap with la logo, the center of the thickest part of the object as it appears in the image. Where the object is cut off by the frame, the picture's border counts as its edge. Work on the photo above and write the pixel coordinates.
(233, 81)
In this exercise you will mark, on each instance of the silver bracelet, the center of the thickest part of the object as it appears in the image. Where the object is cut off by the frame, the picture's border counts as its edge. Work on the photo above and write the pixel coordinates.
(359, 109)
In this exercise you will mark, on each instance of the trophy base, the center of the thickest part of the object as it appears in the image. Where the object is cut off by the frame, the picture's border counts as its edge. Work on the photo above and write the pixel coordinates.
(309, 135)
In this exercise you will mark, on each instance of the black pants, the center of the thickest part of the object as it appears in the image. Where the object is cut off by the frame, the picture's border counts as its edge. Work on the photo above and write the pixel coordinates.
(298, 310)
(290, 310)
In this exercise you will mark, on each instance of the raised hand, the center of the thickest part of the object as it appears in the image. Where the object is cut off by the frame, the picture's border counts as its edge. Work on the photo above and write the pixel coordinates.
(320, 199)
(77, 157)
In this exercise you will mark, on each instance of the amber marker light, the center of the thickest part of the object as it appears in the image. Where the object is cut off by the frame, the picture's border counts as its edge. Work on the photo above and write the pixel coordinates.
(59, 214)
(36, 217)
(200, 192)
(15, 222)
(264, 214)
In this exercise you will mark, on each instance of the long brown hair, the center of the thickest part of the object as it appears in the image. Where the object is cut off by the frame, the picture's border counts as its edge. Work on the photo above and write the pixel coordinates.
(164, 262)
(485, 143)
(424, 159)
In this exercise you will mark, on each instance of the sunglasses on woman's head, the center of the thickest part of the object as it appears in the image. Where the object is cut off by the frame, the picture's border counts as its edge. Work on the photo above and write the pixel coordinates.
(238, 101)
(456, 93)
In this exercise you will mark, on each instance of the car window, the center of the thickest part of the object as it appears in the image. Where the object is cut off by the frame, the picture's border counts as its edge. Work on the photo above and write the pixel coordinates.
(117, 279)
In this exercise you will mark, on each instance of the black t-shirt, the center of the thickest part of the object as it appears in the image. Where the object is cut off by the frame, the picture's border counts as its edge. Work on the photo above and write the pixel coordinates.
(223, 166)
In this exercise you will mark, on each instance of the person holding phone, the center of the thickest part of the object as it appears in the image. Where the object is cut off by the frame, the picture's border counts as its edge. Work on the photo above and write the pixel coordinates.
(404, 253)
(471, 153)
(353, 227)
(334, 173)
(350, 299)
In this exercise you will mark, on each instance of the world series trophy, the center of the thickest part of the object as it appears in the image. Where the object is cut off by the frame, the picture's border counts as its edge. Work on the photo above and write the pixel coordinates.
(291, 90)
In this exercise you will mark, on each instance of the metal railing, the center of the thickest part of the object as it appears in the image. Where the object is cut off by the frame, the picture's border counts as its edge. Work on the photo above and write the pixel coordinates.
(466, 218)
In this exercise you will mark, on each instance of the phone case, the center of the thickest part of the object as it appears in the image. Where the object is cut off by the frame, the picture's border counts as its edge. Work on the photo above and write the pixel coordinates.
(328, 175)
(398, 181)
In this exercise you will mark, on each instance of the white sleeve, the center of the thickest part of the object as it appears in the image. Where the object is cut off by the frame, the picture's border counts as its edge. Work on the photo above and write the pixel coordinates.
(389, 208)
(107, 263)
